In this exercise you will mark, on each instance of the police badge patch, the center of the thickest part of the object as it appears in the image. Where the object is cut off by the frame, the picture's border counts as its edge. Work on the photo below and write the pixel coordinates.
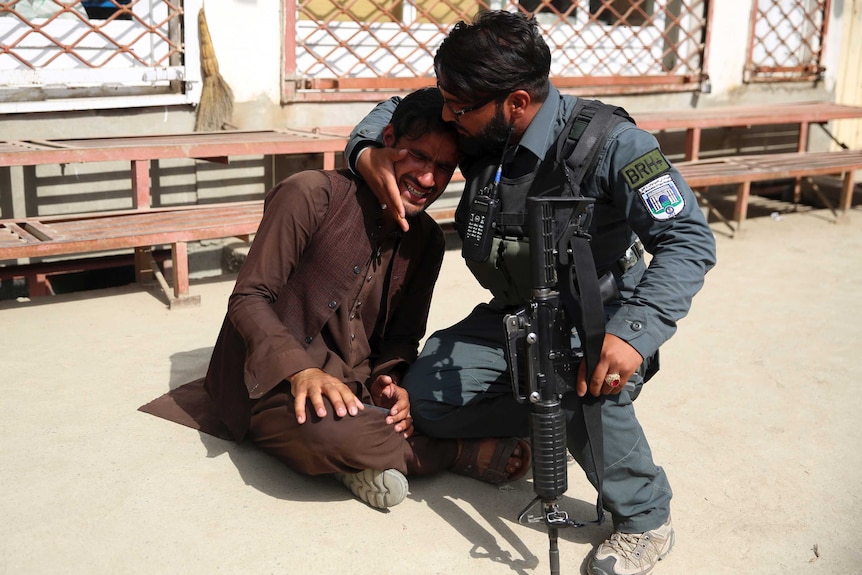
(662, 198)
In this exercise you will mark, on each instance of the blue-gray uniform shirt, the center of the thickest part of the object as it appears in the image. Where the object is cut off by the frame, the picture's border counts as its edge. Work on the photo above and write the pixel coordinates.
(639, 194)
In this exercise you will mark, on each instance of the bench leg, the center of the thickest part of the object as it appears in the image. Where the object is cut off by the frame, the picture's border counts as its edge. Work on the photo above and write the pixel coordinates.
(141, 184)
(712, 209)
(823, 199)
(692, 144)
(180, 260)
(179, 296)
(741, 209)
(143, 270)
(846, 201)
(797, 192)
(38, 285)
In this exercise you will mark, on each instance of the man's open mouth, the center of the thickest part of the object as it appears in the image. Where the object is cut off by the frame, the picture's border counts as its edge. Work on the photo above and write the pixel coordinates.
(414, 193)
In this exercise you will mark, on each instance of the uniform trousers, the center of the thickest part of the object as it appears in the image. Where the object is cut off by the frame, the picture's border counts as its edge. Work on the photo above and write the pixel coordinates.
(460, 387)
(349, 444)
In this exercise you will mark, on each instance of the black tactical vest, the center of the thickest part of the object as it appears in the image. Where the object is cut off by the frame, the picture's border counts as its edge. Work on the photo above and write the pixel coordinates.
(506, 272)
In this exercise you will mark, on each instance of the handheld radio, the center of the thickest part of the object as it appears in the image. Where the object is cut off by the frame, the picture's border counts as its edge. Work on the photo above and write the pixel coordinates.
(482, 219)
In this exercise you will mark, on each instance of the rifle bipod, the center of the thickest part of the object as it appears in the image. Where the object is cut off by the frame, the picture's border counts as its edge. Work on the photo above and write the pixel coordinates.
(555, 518)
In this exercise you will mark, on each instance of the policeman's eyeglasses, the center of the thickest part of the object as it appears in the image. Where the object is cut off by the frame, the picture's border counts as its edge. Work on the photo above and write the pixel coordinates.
(468, 109)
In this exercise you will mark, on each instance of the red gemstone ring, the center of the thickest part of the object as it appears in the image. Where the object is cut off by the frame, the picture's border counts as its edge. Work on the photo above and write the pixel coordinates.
(612, 379)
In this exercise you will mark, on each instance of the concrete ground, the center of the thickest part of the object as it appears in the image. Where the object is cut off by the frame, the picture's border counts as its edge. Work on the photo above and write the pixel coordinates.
(753, 416)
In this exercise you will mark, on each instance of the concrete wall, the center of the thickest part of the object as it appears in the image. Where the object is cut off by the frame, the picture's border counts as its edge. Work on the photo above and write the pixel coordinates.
(248, 41)
(849, 84)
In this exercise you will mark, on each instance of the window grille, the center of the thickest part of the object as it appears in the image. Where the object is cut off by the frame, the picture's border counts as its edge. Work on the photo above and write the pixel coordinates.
(344, 50)
(68, 50)
(786, 40)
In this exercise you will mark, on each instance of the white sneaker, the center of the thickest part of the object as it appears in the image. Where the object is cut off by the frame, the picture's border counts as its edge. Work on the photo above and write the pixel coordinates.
(380, 489)
(632, 553)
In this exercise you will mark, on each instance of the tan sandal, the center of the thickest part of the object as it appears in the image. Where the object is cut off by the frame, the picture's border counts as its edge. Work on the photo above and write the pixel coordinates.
(486, 459)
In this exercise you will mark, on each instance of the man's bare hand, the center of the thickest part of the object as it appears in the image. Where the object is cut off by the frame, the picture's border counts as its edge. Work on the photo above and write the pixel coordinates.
(376, 166)
(313, 384)
(617, 357)
(386, 393)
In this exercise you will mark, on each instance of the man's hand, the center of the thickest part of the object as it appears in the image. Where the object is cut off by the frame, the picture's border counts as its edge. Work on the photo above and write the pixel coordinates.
(376, 166)
(617, 357)
(312, 384)
(386, 393)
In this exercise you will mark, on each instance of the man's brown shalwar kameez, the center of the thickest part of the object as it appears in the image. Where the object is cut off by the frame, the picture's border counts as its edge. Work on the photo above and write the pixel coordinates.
(328, 283)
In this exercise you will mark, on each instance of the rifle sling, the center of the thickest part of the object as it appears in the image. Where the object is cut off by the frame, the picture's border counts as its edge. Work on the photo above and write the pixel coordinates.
(585, 307)
(576, 153)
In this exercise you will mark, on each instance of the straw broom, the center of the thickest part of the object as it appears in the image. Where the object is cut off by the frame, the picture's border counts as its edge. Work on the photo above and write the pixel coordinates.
(216, 105)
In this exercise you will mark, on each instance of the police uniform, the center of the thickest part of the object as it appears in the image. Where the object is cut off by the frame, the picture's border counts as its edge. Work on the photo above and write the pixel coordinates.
(460, 385)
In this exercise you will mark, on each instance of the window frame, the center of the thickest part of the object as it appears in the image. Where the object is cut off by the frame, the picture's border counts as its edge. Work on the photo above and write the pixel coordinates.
(59, 88)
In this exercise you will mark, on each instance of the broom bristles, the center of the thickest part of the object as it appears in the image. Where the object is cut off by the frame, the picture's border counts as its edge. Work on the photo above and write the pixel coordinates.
(216, 106)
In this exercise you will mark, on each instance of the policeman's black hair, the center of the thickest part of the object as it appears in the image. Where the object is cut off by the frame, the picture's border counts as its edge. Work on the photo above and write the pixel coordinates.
(418, 114)
(498, 53)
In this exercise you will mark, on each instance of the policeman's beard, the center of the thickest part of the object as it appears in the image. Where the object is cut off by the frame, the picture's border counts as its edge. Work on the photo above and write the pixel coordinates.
(491, 140)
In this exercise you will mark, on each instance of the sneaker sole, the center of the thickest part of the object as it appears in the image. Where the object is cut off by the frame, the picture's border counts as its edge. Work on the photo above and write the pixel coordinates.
(380, 489)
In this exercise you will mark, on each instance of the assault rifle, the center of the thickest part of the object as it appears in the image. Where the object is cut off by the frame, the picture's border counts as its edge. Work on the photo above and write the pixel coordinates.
(541, 334)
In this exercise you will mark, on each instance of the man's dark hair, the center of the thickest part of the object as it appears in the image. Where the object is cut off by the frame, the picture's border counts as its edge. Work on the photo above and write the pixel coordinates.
(498, 53)
(420, 113)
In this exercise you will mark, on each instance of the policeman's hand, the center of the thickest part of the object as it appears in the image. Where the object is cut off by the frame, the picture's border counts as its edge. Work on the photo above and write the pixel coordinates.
(313, 384)
(617, 357)
(376, 166)
(386, 393)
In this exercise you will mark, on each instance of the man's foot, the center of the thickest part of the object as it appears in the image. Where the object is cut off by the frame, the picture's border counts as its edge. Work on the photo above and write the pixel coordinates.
(632, 553)
(380, 489)
(493, 460)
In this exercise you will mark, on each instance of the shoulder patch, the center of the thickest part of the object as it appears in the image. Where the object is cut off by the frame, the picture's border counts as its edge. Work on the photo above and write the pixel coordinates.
(645, 168)
(662, 198)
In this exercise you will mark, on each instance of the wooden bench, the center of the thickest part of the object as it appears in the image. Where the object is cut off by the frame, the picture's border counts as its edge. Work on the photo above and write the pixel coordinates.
(737, 170)
(138, 229)
(742, 171)
(143, 227)
(694, 121)
(140, 151)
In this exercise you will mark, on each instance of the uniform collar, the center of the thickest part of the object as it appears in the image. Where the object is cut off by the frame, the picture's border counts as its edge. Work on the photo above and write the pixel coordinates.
(543, 129)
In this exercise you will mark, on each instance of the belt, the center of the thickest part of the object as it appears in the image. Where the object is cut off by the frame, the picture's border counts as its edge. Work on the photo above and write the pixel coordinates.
(633, 254)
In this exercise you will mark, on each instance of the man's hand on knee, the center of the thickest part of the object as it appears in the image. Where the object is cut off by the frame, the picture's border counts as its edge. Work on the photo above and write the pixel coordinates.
(388, 394)
(312, 385)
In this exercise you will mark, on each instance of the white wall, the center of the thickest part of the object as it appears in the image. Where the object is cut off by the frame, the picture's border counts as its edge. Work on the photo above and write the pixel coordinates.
(247, 35)
(849, 85)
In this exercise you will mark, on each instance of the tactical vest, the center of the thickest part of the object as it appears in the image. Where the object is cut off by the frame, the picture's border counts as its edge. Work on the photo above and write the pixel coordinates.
(506, 272)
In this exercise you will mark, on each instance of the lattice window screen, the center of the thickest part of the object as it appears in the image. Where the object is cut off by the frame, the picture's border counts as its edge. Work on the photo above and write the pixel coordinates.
(68, 48)
(338, 49)
(786, 40)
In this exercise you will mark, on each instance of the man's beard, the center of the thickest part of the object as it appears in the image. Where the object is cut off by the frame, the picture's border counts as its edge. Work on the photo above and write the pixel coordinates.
(491, 140)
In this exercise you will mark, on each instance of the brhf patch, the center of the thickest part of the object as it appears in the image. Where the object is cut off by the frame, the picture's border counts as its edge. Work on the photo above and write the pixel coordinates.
(645, 168)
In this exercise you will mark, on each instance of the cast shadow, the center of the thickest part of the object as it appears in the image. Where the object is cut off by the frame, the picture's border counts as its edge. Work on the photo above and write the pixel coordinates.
(257, 469)
(497, 508)
(485, 515)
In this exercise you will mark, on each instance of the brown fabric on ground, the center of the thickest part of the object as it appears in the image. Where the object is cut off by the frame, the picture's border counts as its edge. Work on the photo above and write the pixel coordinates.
(189, 405)
(276, 432)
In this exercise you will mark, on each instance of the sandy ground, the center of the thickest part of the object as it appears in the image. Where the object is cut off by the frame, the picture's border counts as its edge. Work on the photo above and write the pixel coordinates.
(751, 416)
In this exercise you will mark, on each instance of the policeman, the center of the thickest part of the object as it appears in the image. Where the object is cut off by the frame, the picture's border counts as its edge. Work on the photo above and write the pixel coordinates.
(494, 77)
